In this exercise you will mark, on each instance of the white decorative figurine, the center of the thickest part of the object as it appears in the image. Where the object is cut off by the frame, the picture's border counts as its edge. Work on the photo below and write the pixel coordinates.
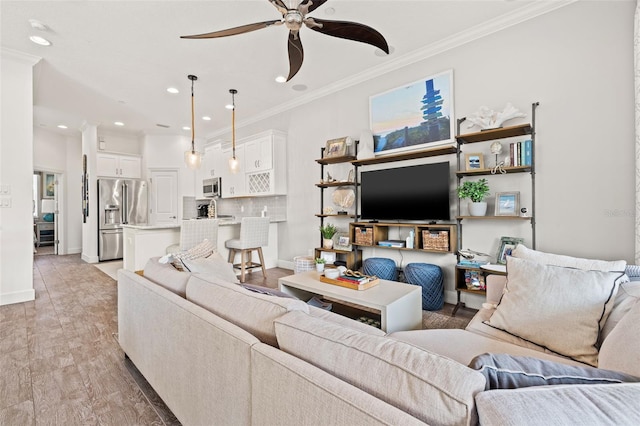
(486, 118)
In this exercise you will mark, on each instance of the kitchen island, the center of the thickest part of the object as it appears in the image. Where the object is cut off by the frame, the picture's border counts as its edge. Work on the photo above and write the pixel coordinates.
(142, 242)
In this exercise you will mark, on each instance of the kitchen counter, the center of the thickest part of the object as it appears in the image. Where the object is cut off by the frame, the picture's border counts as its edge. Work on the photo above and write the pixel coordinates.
(142, 242)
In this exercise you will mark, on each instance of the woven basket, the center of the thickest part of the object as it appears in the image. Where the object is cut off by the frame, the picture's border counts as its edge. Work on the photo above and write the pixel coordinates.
(435, 240)
(363, 236)
(303, 264)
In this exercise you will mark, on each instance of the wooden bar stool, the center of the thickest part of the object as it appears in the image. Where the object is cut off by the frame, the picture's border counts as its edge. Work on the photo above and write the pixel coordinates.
(254, 234)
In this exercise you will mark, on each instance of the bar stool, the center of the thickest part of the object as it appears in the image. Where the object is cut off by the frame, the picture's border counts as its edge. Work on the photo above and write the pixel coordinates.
(254, 234)
(193, 232)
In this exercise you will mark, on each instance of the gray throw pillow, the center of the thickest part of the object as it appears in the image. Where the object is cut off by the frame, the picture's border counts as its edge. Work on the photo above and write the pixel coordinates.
(504, 371)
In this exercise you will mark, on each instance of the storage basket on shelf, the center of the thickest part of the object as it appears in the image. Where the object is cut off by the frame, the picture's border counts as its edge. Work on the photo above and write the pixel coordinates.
(363, 235)
(435, 240)
(303, 264)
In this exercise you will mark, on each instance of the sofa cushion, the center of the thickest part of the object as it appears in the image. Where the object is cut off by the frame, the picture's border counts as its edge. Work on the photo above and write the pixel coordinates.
(522, 252)
(621, 349)
(555, 307)
(561, 405)
(627, 296)
(214, 265)
(504, 371)
(428, 386)
(248, 310)
(165, 275)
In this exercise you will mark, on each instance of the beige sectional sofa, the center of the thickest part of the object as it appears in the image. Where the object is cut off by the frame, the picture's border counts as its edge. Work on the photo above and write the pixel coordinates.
(219, 354)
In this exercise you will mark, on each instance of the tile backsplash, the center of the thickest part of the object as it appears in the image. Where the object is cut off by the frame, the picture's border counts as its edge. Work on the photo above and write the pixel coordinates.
(240, 207)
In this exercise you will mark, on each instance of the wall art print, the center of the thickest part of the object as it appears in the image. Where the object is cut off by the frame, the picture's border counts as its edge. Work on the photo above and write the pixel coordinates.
(414, 116)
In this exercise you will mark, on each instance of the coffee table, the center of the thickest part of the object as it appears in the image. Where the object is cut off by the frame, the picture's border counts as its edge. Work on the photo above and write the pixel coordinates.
(399, 304)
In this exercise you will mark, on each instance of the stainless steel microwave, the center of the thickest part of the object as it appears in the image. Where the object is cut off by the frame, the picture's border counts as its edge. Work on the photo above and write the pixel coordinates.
(211, 187)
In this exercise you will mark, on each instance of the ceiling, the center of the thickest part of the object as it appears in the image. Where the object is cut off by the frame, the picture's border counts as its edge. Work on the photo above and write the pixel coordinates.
(113, 60)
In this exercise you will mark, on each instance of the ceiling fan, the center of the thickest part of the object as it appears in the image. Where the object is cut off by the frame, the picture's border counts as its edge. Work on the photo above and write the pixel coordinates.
(294, 18)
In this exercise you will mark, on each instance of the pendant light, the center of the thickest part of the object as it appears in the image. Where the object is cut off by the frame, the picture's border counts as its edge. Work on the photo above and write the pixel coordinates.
(234, 165)
(192, 157)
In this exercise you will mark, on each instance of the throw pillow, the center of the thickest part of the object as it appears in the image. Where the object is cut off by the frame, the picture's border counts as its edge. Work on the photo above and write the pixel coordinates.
(522, 252)
(621, 349)
(504, 371)
(167, 276)
(555, 307)
(204, 249)
(212, 266)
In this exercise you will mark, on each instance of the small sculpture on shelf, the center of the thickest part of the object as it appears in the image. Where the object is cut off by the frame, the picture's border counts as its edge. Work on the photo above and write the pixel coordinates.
(344, 198)
(486, 118)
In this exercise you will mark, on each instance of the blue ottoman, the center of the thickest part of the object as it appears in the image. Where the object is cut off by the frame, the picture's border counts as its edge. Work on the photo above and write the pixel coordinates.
(430, 278)
(381, 267)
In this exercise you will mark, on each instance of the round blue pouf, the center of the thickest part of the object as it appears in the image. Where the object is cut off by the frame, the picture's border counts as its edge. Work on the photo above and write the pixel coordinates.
(430, 278)
(380, 267)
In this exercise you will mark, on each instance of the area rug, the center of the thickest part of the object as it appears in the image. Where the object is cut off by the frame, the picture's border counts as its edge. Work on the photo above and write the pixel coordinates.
(435, 320)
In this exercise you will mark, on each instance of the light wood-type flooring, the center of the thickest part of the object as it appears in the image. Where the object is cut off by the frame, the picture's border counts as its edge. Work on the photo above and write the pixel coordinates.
(60, 362)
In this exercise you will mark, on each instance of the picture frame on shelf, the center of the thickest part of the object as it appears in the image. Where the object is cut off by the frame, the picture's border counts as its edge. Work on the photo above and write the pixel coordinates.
(474, 161)
(335, 148)
(48, 185)
(350, 176)
(414, 116)
(328, 256)
(507, 245)
(341, 241)
(507, 204)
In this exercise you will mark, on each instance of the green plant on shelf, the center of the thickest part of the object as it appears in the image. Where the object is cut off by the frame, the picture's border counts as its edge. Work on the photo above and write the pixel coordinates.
(320, 260)
(328, 231)
(476, 191)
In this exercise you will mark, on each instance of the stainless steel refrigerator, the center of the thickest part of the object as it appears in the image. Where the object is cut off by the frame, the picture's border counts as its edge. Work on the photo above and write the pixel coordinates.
(120, 202)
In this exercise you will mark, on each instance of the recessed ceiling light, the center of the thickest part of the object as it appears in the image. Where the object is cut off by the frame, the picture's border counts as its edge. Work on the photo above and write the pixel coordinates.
(40, 40)
(118, 123)
(281, 79)
(172, 90)
(186, 128)
(329, 11)
(206, 118)
(299, 87)
(62, 126)
(38, 25)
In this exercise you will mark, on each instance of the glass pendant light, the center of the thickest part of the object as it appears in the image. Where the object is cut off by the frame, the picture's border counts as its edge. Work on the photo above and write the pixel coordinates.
(192, 157)
(234, 165)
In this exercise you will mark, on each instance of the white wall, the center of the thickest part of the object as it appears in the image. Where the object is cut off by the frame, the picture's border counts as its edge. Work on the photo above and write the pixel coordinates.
(577, 62)
(16, 171)
(119, 142)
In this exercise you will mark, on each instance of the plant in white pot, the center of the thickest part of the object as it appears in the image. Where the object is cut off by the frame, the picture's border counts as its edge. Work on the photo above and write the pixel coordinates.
(476, 192)
(320, 264)
(328, 231)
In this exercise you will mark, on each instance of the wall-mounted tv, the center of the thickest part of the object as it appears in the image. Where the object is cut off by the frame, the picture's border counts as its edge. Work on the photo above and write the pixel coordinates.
(414, 116)
(406, 193)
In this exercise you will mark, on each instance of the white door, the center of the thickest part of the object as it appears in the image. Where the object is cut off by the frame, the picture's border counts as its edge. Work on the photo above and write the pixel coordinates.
(163, 197)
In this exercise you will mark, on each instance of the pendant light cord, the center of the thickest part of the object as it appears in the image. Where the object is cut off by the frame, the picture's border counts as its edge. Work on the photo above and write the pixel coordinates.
(193, 131)
(233, 128)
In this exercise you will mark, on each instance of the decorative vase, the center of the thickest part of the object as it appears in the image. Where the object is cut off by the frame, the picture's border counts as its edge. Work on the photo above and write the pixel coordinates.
(365, 149)
(327, 243)
(477, 209)
(320, 267)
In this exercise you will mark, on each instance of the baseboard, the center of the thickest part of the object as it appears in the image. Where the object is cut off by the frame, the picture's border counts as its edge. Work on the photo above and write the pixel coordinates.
(90, 259)
(17, 297)
(286, 264)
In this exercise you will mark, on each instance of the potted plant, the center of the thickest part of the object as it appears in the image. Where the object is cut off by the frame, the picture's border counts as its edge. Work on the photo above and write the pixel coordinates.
(476, 192)
(328, 231)
(320, 264)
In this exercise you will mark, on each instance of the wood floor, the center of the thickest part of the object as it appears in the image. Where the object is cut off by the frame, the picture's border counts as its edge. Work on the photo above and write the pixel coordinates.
(60, 362)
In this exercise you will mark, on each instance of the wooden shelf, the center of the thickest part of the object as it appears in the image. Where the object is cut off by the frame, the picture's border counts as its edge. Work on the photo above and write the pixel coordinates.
(335, 184)
(352, 216)
(501, 133)
(495, 217)
(336, 160)
(333, 250)
(410, 155)
(466, 290)
(483, 172)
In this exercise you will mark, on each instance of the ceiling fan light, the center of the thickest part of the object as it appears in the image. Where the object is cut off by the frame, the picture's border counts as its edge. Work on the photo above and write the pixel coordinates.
(281, 79)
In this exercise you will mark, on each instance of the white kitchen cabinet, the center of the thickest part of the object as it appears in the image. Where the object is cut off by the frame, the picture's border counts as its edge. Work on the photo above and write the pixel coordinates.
(210, 167)
(233, 184)
(258, 154)
(118, 166)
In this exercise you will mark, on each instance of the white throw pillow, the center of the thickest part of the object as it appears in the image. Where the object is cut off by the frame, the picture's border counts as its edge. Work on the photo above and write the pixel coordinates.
(555, 307)
(522, 252)
(213, 266)
(621, 349)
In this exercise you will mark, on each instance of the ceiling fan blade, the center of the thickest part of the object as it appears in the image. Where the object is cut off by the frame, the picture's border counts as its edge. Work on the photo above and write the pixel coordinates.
(279, 4)
(237, 30)
(296, 54)
(305, 7)
(350, 31)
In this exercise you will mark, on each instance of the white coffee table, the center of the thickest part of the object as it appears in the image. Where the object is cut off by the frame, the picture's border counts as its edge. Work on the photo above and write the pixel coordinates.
(400, 304)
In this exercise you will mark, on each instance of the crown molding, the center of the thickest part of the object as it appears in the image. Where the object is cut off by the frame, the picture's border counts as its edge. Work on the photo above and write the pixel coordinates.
(525, 13)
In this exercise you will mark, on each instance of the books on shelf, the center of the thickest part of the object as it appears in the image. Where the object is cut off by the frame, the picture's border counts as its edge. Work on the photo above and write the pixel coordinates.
(472, 263)
(521, 153)
(392, 243)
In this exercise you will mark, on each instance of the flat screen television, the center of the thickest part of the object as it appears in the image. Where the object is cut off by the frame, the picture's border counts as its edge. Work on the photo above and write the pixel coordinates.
(406, 193)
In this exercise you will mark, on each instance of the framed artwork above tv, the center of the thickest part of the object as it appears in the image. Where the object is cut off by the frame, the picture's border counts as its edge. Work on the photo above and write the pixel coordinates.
(417, 115)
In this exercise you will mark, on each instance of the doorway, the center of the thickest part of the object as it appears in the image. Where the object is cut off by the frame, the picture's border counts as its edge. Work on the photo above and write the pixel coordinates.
(46, 196)
(163, 196)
